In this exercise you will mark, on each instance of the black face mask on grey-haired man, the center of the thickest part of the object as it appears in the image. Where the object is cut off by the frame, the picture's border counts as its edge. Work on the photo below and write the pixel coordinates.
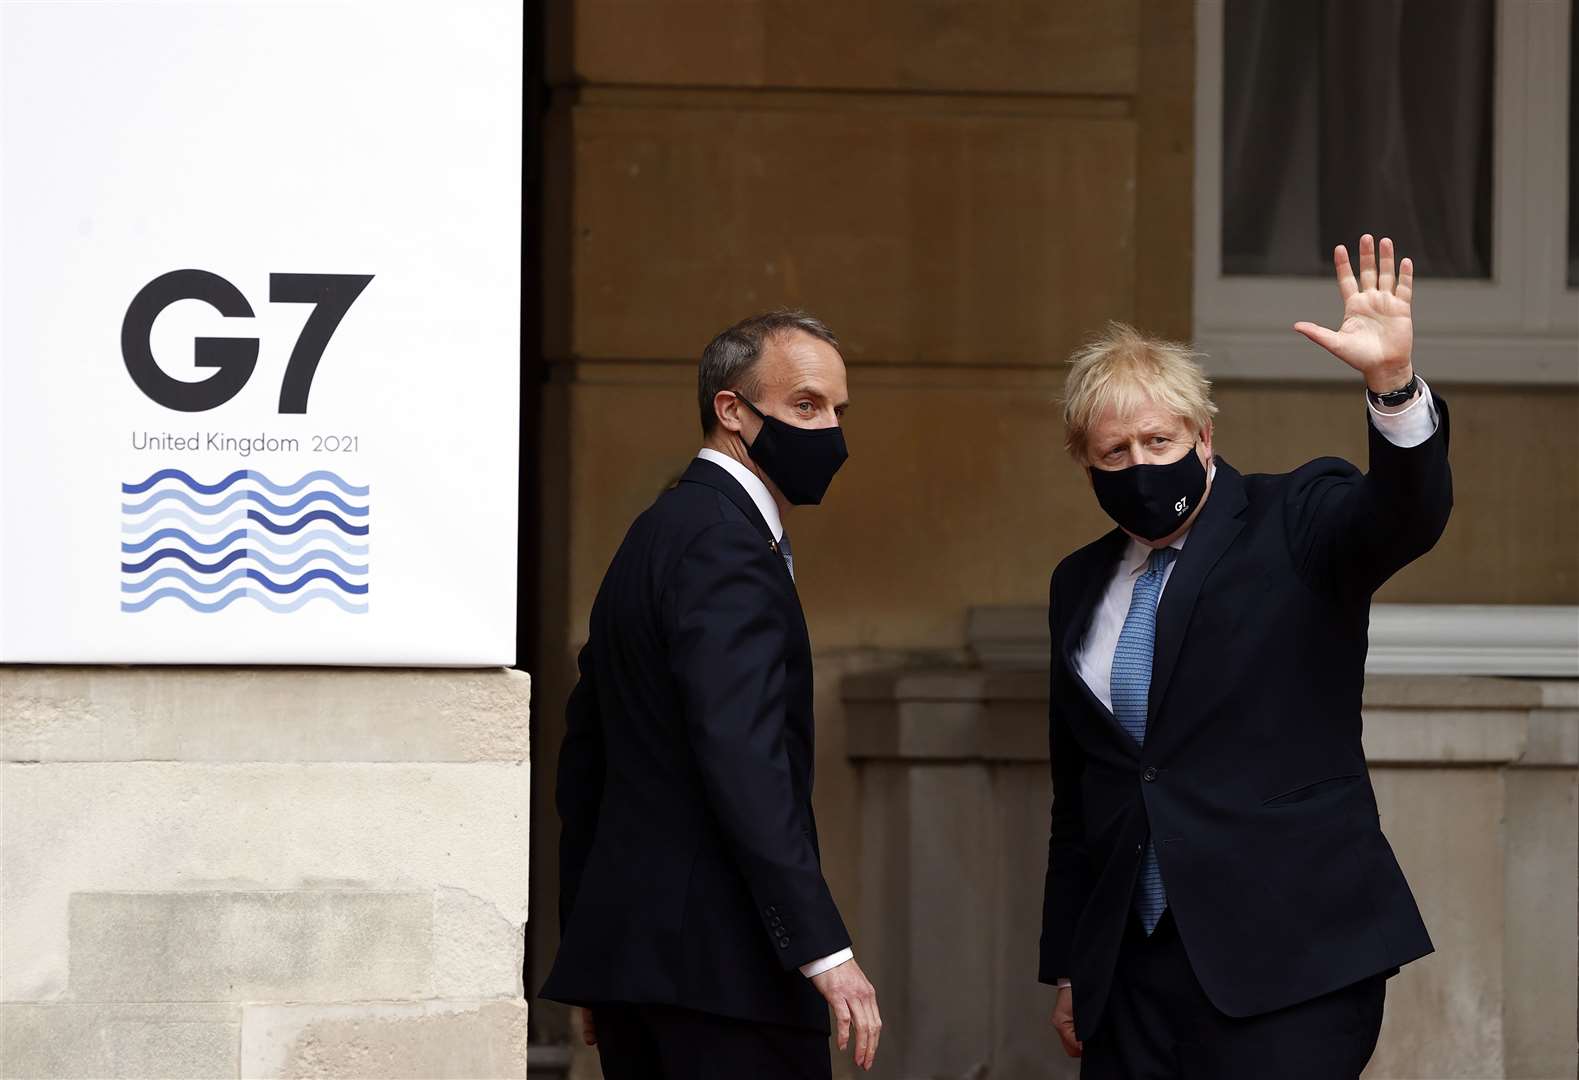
(698, 934)
(1220, 901)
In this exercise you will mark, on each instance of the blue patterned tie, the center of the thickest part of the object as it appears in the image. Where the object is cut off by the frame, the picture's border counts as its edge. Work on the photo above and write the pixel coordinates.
(789, 556)
(1131, 684)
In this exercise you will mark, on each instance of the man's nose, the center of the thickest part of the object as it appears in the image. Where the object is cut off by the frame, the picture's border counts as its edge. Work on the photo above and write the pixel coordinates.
(1136, 454)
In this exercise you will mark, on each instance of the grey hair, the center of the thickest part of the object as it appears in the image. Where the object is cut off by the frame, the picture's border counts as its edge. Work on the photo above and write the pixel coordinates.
(729, 360)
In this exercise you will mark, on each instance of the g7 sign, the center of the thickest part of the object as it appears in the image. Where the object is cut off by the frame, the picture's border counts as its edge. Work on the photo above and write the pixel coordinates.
(234, 358)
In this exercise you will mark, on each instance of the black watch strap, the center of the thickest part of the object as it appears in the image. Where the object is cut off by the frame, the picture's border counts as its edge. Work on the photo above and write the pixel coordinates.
(1394, 398)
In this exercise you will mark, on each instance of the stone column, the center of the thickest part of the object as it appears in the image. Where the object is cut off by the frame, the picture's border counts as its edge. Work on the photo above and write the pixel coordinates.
(263, 872)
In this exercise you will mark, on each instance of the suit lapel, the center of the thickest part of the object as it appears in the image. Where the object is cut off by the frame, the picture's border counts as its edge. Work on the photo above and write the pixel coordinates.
(701, 471)
(1221, 519)
(704, 472)
(1104, 559)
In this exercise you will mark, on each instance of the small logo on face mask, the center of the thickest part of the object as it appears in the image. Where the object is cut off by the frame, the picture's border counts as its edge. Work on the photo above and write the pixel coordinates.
(1182, 505)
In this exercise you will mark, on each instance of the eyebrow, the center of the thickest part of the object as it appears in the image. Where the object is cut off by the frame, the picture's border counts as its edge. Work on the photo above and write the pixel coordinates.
(812, 391)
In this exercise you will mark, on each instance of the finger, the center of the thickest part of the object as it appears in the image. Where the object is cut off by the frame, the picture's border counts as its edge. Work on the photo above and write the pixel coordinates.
(1327, 339)
(1384, 277)
(1406, 281)
(877, 1030)
(862, 1032)
(1347, 286)
(1071, 1046)
(877, 1026)
(842, 1013)
(1367, 262)
(869, 1015)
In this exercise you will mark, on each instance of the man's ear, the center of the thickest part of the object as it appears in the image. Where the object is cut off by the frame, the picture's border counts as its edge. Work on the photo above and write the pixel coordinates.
(726, 405)
(1206, 440)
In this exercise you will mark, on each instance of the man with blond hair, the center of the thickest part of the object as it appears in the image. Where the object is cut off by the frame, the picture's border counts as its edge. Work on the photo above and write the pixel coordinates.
(1220, 900)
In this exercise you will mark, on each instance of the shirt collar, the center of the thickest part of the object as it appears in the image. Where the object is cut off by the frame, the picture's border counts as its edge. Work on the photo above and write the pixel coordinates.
(1136, 554)
(753, 485)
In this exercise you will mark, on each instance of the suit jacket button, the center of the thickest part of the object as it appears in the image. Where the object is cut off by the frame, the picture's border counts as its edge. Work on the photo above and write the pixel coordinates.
(784, 943)
(772, 910)
(776, 921)
(1150, 774)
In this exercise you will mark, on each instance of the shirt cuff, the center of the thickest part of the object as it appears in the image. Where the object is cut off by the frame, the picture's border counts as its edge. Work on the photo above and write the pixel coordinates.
(827, 963)
(1409, 426)
(1063, 983)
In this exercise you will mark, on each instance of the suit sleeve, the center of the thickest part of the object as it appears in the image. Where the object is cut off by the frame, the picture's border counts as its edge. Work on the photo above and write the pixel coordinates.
(1068, 883)
(578, 789)
(728, 648)
(1349, 532)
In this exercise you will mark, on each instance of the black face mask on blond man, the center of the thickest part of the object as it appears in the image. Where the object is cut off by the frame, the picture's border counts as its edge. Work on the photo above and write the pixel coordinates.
(1151, 501)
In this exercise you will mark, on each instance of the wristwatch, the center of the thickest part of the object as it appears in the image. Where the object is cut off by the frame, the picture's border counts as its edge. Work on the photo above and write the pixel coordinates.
(1394, 398)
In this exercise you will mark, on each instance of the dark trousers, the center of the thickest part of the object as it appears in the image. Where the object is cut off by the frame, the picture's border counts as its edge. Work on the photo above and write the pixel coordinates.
(660, 1042)
(1159, 1025)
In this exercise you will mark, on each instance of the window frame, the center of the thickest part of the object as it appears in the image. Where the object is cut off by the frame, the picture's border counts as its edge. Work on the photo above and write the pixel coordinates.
(1520, 326)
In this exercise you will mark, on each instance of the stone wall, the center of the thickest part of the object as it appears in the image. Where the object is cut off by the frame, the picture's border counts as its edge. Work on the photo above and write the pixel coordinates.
(263, 872)
(964, 191)
(1477, 782)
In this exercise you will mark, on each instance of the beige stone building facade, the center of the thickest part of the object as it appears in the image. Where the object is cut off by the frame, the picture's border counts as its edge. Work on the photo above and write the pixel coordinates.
(964, 192)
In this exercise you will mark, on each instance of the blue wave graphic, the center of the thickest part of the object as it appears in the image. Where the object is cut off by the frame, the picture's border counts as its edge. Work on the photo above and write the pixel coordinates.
(245, 574)
(305, 520)
(176, 514)
(243, 474)
(276, 544)
(255, 594)
(253, 536)
(241, 536)
(247, 495)
(236, 556)
(189, 540)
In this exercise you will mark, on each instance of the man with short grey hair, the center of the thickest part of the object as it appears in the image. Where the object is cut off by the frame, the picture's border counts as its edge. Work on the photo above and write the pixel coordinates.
(698, 933)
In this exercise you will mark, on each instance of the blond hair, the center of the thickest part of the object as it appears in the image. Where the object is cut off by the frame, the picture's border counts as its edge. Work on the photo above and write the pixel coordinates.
(1123, 370)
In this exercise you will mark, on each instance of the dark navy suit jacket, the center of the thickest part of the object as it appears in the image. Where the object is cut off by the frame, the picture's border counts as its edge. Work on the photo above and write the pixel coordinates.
(689, 867)
(1252, 781)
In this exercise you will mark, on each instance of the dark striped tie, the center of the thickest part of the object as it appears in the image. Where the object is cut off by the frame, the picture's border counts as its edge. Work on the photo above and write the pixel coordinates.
(1131, 684)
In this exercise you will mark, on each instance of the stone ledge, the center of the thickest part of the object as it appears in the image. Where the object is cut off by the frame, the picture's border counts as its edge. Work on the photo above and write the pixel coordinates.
(971, 714)
(1405, 639)
(52, 713)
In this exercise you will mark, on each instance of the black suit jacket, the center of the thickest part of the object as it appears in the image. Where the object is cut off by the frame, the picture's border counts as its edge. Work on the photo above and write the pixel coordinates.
(689, 868)
(1252, 780)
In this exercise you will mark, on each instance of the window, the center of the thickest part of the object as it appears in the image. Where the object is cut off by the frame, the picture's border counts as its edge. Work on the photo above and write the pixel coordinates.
(1573, 152)
(1446, 124)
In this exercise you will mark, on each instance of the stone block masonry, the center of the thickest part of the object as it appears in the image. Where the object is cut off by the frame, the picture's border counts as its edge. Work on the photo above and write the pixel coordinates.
(262, 872)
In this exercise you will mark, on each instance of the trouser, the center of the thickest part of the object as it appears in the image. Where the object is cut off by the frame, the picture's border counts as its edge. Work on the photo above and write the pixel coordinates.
(1159, 1025)
(661, 1042)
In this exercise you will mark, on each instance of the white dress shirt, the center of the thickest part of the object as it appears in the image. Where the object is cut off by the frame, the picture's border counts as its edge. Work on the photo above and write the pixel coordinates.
(1406, 426)
(770, 513)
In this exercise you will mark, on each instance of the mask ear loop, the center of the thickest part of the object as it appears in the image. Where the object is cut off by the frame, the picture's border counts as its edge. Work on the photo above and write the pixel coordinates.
(747, 403)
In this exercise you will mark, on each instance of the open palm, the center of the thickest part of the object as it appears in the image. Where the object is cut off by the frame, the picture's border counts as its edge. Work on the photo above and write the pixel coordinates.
(1377, 334)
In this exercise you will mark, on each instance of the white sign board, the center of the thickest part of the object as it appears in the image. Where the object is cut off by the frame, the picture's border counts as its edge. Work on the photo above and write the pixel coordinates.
(259, 332)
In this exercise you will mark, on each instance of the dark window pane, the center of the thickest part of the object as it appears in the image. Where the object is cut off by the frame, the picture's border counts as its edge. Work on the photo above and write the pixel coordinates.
(1573, 149)
(1348, 116)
